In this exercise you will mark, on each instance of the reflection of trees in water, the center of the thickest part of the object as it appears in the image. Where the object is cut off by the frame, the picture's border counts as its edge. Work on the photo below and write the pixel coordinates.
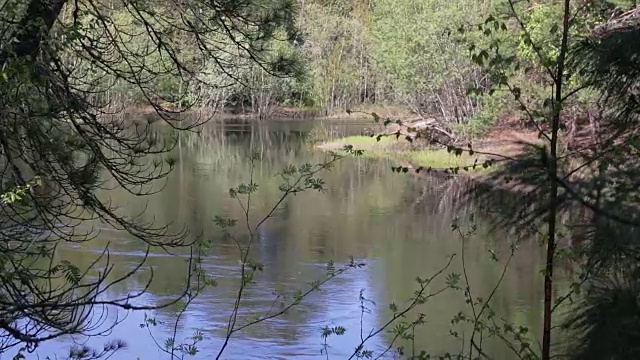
(191, 198)
(368, 212)
(436, 195)
(416, 243)
(411, 236)
(233, 139)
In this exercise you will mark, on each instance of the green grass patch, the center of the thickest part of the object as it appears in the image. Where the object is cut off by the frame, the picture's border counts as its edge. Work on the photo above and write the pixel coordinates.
(437, 158)
(391, 148)
(366, 142)
(442, 159)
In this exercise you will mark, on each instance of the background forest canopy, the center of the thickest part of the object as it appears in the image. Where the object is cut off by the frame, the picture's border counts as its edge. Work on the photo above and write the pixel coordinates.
(334, 55)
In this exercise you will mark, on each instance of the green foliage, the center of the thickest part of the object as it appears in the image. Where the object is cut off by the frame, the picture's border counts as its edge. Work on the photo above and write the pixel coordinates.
(492, 108)
(336, 44)
(339, 57)
(18, 193)
(421, 61)
(542, 26)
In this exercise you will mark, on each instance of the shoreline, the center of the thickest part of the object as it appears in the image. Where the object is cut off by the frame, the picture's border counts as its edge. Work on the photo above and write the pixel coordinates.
(498, 144)
(279, 113)
(494, 147)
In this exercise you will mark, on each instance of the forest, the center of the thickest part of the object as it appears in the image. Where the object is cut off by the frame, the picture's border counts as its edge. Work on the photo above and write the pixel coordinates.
(332, 57)
(439, 75)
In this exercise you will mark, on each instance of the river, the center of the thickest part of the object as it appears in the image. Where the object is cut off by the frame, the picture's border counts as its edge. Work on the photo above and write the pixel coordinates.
(398, 225)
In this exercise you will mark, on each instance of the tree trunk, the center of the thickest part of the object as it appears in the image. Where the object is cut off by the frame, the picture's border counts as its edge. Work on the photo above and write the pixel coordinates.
(553, 186)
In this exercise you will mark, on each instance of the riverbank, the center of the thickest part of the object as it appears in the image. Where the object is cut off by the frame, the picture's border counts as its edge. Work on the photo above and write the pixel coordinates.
(494, 148)
(279, 113)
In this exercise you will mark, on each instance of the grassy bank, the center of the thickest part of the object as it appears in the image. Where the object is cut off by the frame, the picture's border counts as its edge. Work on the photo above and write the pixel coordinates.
(404, 154)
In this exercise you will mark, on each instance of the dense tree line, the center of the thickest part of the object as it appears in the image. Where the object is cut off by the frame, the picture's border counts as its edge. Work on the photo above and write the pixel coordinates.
(347, 54)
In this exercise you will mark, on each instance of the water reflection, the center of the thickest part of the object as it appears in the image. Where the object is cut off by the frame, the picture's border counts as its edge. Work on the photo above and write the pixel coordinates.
(399, 225)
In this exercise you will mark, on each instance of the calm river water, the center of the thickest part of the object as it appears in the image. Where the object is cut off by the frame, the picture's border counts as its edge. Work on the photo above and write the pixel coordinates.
(400, 226)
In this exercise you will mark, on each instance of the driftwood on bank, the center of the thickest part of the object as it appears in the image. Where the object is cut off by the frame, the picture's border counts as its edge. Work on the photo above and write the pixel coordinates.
(429, 129)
